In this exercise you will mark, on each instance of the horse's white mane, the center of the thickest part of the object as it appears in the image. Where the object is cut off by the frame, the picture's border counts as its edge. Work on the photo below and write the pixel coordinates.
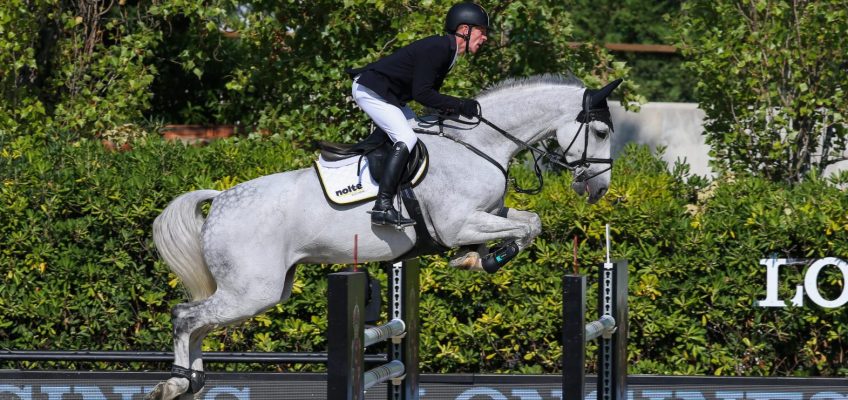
(544, 79)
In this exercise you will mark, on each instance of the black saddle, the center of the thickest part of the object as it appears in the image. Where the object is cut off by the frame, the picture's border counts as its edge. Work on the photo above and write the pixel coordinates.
(375, 148)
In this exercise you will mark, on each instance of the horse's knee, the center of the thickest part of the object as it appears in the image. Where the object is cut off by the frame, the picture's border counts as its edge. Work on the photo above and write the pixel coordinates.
(535, 224)
(531, 227)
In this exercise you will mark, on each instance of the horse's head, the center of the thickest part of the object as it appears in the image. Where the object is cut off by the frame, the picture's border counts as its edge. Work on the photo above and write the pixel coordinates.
(586, 141)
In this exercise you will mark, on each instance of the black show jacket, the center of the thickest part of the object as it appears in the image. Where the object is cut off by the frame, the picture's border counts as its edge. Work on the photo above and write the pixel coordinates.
(413, 72)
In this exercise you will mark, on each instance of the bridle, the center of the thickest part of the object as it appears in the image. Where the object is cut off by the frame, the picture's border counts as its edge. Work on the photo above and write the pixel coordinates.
(578, 167)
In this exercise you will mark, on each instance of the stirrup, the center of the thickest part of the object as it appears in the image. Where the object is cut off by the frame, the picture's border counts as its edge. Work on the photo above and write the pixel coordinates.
(381, 218)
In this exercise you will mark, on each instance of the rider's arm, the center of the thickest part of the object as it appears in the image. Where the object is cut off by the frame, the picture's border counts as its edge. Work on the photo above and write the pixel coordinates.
(424, 81)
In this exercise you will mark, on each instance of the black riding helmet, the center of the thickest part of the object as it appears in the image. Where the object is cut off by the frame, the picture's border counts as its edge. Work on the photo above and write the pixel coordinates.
(466, 13)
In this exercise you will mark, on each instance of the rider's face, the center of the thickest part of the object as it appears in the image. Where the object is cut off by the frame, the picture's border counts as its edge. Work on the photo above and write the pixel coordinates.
(478, 37)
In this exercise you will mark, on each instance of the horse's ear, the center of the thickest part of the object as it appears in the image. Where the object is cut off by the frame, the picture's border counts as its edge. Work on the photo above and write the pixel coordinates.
(599, 97)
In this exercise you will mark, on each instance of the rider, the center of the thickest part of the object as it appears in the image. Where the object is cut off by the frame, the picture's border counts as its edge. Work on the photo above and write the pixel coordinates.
(415, 72)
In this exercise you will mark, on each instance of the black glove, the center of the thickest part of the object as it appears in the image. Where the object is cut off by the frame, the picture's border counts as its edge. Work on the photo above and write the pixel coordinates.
(470, 108)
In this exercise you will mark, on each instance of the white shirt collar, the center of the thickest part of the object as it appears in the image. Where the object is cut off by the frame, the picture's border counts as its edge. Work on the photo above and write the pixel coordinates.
(455, 57)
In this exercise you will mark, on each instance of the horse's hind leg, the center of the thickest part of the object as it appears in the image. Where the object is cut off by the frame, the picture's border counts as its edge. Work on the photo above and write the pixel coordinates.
(192, 321)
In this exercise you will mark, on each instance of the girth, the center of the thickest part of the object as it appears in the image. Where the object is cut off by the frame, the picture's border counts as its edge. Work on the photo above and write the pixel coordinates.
(425, 244)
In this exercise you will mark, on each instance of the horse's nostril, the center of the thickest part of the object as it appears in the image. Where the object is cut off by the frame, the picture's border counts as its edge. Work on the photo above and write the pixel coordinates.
(602, 192)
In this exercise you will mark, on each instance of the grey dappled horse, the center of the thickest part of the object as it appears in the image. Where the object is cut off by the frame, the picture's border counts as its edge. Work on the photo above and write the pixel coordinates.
(241, 259)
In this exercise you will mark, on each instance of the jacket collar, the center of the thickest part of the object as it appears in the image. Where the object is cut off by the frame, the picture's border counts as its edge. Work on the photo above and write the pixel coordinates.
(452, 41)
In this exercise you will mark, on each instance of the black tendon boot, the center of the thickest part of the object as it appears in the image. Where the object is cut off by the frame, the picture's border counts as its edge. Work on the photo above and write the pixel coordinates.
(384, 212)
(499, 256)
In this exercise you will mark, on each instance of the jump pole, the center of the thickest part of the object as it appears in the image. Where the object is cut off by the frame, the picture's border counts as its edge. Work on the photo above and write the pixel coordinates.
(611, 327)
(347, 338)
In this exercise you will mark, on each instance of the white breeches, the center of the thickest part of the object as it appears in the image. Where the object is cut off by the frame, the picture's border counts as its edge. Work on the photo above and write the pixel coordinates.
(391, 119)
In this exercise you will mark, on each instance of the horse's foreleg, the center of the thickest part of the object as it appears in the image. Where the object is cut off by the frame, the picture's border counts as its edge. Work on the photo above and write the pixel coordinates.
(480, 227)
(531, 219)
(468, 257)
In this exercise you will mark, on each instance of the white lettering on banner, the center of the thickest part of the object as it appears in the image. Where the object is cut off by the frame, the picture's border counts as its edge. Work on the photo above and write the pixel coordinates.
(828, 396)
(90, 392)
(775, 396)
(810, 285)
(730, 395)
(657, 394)
(481, 391)
(526, 394)
(55, 392)
(227, 391)
(21, 392)
(127, 392)
(690, 396)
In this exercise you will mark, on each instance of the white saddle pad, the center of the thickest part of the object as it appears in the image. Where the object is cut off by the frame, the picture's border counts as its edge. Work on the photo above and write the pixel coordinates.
(345, 183)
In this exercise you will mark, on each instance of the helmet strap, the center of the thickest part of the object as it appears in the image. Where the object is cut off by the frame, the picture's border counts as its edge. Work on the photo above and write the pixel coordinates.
(466, 37)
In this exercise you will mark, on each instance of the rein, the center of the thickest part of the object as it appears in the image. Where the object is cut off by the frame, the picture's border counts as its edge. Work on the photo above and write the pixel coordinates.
(577, 167)
(441, 133)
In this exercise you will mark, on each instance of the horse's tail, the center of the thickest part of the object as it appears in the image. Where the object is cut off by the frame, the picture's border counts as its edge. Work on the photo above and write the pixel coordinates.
(176, 233)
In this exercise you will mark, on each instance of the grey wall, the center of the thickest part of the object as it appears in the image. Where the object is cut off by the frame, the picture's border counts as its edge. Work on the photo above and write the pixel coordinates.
(678, 126)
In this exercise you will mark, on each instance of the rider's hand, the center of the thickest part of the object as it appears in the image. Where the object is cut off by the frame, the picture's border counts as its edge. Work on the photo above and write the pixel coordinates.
(470, 108)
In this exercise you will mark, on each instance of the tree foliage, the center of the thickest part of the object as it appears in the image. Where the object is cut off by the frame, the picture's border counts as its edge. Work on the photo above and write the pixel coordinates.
(81, 68)
(660, 77)
(771, 79)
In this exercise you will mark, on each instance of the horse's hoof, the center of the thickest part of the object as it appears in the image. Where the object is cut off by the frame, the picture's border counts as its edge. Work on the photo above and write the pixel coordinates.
(469, 261)
(168, 390)
(156, 393)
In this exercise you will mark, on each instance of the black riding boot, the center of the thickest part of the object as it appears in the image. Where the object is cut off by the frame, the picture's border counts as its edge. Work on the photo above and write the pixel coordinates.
(384, 212)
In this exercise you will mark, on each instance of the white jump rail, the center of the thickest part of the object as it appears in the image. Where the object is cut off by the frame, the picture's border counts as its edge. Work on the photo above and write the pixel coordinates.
(603, 326)
(391, 370)
(391, 329)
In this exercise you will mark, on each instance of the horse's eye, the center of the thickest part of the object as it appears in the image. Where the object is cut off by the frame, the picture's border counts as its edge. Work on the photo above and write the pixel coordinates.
(602, 134)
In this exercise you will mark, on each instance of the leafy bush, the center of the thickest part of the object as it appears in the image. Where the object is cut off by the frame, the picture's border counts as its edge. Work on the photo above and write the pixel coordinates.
(77, 259)
(769, 76)
(80, 272)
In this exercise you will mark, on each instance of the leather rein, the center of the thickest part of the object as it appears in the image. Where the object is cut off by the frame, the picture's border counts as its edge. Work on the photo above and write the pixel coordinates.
(578, 167)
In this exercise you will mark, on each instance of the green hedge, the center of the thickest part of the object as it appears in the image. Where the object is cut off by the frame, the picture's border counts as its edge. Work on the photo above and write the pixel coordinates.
(79, 270)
